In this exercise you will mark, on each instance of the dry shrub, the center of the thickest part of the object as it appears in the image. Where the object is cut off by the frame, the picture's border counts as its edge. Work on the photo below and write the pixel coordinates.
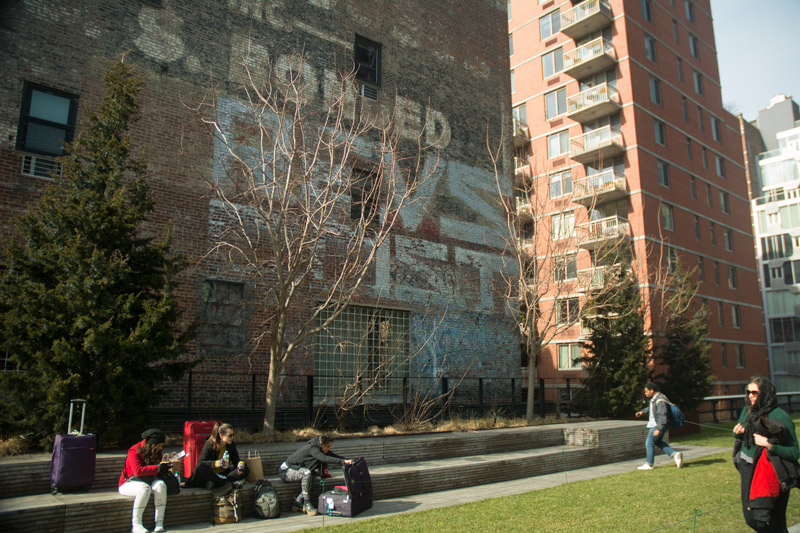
(13, 446)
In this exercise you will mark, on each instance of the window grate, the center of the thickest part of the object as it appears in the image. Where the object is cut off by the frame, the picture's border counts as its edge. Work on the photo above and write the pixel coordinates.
(368, 92)
(40, 167)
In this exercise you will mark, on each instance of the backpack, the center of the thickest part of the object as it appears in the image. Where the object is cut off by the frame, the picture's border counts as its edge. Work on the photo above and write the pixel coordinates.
(266, 500)
(226, 509)
(674, 414)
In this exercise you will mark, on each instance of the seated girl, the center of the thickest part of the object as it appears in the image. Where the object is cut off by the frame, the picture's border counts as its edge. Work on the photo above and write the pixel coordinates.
(219, 461)
(142, 475)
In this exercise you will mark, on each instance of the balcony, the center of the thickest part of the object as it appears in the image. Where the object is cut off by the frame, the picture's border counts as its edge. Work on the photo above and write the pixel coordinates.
(592, 279)
(593, 103)
(521, 136)
(522, 168)
(586, 18)
(606, 231)
(600, 188)
(524, 210)
(593, 57)
(596, 146)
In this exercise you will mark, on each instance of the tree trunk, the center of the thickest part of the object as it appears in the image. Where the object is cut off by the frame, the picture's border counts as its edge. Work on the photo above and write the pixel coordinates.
(530, 412)
(271, 400)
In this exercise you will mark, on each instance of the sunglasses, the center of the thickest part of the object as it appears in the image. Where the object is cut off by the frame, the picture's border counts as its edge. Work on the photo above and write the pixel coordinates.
(753, 392)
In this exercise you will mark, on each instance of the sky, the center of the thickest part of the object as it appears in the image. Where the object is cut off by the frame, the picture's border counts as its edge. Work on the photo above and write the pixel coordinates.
(758, 50)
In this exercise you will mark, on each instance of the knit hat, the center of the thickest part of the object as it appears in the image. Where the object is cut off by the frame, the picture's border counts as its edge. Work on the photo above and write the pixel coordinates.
(154, 436)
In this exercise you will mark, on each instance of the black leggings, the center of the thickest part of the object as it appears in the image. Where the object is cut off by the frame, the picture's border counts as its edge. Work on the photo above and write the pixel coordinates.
(204, 473)
(777, 516)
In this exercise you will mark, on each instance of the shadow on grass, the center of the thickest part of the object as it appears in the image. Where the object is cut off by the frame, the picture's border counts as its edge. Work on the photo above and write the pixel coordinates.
(706, 461)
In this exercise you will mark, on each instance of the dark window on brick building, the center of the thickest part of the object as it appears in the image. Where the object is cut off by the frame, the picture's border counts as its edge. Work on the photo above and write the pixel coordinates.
(364, 197)
(47, 120)
(222, 323)
(368, 61)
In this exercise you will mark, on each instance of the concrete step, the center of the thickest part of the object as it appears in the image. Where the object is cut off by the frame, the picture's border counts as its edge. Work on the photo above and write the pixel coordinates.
(581, 446)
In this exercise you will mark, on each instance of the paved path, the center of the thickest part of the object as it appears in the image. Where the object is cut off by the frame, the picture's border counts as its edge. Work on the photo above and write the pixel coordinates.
(421, 502)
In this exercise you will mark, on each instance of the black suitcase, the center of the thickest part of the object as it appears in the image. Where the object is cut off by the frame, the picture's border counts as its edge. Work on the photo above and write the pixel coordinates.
(356, 499)
(74, 457)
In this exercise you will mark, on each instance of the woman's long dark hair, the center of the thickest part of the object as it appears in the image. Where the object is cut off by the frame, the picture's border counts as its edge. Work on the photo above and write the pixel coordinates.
(151, 453)
(766, 401)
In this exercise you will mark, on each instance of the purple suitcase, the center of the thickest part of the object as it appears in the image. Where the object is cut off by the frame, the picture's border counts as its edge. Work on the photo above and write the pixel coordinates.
(74, 457)
(357, 498)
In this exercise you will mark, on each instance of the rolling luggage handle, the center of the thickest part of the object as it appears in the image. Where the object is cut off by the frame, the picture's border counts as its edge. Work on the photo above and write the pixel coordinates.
(83, 416)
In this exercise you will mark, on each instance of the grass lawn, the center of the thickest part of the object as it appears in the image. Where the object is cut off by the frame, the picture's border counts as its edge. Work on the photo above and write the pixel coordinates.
(664, 499)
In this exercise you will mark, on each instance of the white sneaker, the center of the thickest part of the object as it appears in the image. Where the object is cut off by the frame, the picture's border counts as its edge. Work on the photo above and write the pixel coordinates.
(159, 529)
(645, 467)
(139, 528)
(678, 459)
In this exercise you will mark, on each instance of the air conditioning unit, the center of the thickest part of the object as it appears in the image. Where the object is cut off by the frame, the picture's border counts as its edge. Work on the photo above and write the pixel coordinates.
(41, 167)
(367, 91)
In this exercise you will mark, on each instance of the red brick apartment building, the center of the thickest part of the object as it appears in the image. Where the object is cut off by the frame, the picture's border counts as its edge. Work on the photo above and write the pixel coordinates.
(444, 61)
(619, 121)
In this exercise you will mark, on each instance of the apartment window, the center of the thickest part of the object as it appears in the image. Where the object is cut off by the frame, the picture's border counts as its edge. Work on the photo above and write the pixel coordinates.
(720, 163)
(655, 90)
(685, 109)
(723, 202)
(724, 356)
(689, 10)
(736, 315)
(693, 187)
(776, 247)
(510, 44)
(552, 62)
(709, 200)
(716, 130)
(222, 321)
(704, 157)
(667, 217)
(650, 48)
(712, 230)
(700, 118)
(663, 173)
(727, 237)
(701, 271)
(785, 329)
(550, 24)
(47, 120)
(565, 268)
(675, 30)
(368, 61)
(647, 10)
(563, 225)
(733, 282)
(513, 82)
(555, 103)
(569, 356)
(557, 144)
(672, 260)
(716, 273)
(660, 132)
(364, 198)
(740, 356)
(694, 48)
(508, 9)
(697, 227)
(720, 315)
(680, 70)
(560, 184)
(688, 148)
(698, 82)
(367, 342)
(567, 310)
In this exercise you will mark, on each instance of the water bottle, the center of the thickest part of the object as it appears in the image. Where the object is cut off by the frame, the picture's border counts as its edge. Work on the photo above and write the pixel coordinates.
(225, 457)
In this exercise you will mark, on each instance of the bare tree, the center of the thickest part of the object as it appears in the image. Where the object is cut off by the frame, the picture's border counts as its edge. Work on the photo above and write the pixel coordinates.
(309, 182)
(549, 273)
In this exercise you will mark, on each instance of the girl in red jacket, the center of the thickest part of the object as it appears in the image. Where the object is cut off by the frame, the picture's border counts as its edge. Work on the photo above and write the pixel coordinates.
(141, 476)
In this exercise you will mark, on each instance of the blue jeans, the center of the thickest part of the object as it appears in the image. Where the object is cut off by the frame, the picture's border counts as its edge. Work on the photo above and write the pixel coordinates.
(656, 441)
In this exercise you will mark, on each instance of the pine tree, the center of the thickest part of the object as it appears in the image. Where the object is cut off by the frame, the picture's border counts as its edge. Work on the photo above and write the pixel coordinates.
(616, 365)
(86, 303)
(684, 354)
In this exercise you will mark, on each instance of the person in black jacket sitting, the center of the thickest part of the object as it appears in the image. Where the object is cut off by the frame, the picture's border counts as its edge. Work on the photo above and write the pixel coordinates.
(219, 461)
(301, 466)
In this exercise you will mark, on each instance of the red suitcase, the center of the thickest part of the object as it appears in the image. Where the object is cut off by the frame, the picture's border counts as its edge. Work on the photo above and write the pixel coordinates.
(74, 457)
(195, 434)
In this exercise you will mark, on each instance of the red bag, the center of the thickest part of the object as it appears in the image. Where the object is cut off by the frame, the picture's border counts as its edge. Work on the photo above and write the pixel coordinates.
(765, 482)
